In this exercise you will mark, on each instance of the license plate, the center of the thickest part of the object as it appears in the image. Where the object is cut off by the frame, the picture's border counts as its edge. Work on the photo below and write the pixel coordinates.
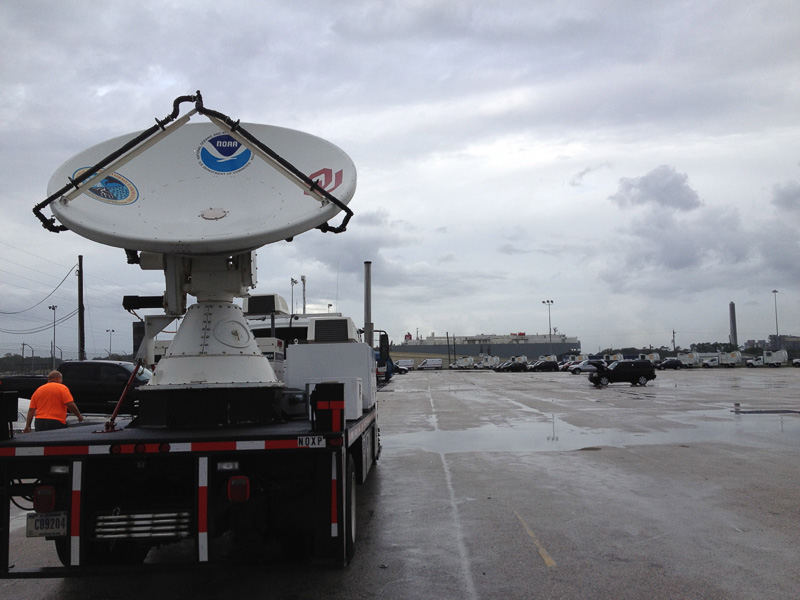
(311, 441)
(46, 524)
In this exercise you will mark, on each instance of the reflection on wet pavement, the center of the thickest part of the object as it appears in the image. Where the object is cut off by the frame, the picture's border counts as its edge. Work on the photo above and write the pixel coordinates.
(554, 434)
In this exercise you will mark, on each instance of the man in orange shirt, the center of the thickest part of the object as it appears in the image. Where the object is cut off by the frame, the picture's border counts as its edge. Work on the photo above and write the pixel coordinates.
(50, 404)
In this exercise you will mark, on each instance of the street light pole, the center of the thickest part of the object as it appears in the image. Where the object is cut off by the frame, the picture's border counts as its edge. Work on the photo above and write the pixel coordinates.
(303, 279)
(294, 283)
(549, 324)
(109, 332)
(53, 307)
(777, 335)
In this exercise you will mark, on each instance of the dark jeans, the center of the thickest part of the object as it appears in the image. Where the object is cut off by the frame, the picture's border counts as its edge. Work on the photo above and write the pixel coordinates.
(48, 424)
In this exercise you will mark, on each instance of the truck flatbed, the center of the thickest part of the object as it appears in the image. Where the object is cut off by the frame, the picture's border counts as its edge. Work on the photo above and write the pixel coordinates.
(78, 438)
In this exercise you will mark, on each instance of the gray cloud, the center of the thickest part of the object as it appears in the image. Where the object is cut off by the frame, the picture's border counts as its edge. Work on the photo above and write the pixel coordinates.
(787, 196)
(663, 186)
(488, 138)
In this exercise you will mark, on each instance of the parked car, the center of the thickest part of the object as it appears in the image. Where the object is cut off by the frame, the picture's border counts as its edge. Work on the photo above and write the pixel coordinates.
(671, 363)
(635, 372)
(586, 366)
(95, 385)
(512, 366)
(796, 362)
(543, 365)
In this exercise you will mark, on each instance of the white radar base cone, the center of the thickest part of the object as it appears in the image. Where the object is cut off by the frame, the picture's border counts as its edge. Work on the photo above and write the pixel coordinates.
(212, 374)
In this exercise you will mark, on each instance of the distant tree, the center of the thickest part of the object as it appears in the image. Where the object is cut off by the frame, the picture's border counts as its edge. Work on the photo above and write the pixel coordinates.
(715, 347)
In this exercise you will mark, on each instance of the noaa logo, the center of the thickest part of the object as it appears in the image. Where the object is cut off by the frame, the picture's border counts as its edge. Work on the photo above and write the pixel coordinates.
(221, 153)
(112, 189)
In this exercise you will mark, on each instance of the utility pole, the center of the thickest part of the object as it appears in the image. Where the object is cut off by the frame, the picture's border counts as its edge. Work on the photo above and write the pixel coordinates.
(53, 307)
(81, 309)
(777, 335)
(303, 279)
(549, 323)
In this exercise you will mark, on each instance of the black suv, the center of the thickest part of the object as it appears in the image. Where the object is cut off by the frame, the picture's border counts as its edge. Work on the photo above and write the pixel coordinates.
(96, 385)
(630, 371)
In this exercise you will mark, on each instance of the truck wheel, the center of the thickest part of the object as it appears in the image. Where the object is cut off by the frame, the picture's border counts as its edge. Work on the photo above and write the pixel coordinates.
(642, 380)
(350, 508)
(603, 381)
(62, 549)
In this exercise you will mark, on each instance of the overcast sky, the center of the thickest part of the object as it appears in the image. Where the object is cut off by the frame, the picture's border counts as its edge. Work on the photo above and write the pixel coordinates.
(638, 163)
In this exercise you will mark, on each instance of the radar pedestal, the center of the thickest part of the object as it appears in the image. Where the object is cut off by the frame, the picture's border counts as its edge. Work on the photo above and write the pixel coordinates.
(213, 372)
(197, 203)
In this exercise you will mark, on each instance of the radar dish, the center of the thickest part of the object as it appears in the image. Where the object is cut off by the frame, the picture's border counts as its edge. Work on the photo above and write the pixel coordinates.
(200, 191)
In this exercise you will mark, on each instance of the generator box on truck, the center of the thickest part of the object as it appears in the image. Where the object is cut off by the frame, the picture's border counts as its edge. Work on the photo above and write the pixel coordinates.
(771, 358)
(689, 359)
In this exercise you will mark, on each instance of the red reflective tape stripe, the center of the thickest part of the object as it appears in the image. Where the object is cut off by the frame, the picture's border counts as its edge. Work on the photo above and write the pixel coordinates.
(280, 444)
(331, 405)
(131, 448)
(65, 450)
(75, 514)
(202, 510)
(7, 451)
(337, 420)
(212, 446)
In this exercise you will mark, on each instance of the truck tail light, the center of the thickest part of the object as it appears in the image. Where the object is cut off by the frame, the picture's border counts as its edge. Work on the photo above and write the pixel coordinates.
(44, 499)
(239, 488)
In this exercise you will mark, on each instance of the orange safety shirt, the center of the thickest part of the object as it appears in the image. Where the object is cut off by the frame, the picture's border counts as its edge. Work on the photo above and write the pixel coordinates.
(50, 401)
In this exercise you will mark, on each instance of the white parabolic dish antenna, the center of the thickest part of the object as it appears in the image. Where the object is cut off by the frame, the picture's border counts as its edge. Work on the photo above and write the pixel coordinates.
(200, 191)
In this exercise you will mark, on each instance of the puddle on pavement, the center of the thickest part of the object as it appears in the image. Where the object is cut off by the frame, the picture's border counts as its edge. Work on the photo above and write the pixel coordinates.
(554, 434)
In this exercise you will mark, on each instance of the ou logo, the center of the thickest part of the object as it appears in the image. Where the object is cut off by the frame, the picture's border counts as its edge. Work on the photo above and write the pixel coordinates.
(330, 180)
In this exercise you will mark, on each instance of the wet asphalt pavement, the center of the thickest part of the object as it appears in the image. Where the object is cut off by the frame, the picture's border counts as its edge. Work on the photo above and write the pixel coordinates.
(538, 485)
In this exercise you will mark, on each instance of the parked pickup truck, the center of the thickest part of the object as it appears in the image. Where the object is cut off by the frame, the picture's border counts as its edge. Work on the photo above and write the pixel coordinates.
(96, 385)
(774, 358)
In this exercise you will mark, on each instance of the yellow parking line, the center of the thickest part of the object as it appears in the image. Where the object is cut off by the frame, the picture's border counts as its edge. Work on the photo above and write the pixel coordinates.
(548, 560)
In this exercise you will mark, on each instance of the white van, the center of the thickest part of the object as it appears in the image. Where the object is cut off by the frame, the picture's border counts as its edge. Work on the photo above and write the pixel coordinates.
(408, 363)
(430, 363)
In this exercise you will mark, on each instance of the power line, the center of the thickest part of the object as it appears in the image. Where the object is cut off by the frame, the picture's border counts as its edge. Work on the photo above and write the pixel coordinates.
(3, 312)
(42, 328)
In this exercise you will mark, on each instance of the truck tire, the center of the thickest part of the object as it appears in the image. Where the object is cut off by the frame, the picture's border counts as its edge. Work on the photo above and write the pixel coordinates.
(350, 509)
(62, 549)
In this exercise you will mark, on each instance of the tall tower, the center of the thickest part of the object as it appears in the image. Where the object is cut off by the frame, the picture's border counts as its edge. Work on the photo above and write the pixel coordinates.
(734, 337)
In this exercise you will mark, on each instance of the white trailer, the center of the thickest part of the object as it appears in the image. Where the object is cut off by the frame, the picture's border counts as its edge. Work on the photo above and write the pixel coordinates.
(771, 358)
(488, 362)
(465, 362)
(689, 359)
(724, 359)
